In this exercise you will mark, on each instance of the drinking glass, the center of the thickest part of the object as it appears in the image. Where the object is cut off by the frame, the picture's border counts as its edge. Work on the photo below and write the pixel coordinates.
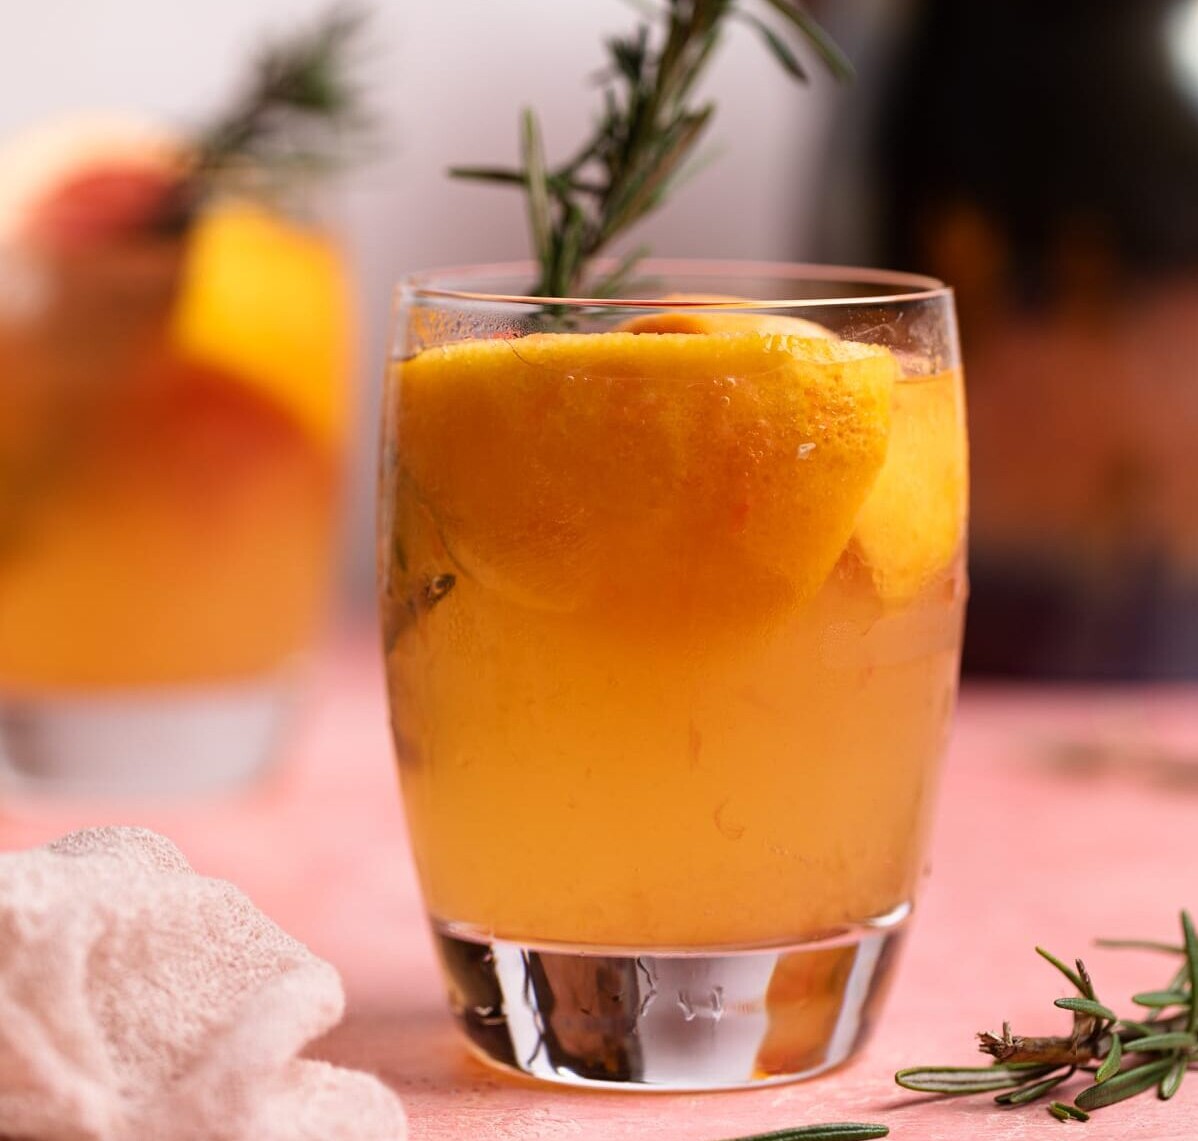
(672, 590)
(172, 417)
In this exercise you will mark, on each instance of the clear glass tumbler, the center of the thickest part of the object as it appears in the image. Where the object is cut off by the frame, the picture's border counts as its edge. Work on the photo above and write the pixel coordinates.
(672, 593)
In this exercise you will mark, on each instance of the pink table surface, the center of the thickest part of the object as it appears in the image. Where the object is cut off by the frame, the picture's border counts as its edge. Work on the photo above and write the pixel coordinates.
(1042, 789)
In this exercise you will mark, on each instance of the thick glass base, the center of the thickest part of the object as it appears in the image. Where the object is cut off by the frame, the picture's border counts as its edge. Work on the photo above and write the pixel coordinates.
(693, 1020)
(170, 742)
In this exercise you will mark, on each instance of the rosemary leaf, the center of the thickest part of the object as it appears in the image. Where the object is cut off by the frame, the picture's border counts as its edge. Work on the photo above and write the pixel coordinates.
(1139, 945)
(1191, 945)
(488, 174)
(1034, 1091)
(970, 1079)
(842, 1131)
(1160, 999)
(1088, 1006)
(834, 59)
(1155, 1043)
(780, 49)
(1068, 972)
(1111, 1063)
(1123, 1085)
(1171, 1082)
(1063, 1112)
(540, 224)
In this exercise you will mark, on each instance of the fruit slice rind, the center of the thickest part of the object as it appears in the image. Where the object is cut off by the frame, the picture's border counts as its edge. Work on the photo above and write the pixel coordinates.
(699, 320)
(912, 524)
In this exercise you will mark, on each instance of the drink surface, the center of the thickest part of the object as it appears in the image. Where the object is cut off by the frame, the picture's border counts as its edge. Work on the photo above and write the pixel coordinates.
(170, 436)
(672, 622)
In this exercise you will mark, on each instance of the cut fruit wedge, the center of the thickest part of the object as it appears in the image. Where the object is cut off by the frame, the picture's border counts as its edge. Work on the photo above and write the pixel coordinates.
(685, 475)
(268, 300)
(913, 521)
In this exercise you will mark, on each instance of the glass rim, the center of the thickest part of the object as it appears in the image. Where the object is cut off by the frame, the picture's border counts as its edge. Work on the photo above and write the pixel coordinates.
(893, 286)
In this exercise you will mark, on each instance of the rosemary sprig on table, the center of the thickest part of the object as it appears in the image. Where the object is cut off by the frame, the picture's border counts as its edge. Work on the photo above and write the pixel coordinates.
(1123, 1056)
(842, 1131)
(649, 126)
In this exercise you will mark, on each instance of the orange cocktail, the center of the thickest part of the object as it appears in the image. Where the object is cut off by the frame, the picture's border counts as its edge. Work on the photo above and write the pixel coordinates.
(172, 415)
(672, 613)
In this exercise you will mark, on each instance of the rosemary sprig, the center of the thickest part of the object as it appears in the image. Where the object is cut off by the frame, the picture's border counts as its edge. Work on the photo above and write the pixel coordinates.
(298, 103)
(1162, 1046)
(843, 1131)
(648, 128)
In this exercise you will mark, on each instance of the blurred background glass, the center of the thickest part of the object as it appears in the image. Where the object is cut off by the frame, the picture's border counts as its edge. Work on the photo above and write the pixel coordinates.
(176, 339)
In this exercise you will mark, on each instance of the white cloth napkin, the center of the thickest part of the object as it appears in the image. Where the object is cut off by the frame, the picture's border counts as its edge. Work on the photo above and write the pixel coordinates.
(141, 1000)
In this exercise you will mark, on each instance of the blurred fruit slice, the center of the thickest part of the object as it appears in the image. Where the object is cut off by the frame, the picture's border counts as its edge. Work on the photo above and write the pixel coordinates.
(268, 301)
(190, 542)
(720, 321)
(913, 521)
(702, 475)
(91, 176)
